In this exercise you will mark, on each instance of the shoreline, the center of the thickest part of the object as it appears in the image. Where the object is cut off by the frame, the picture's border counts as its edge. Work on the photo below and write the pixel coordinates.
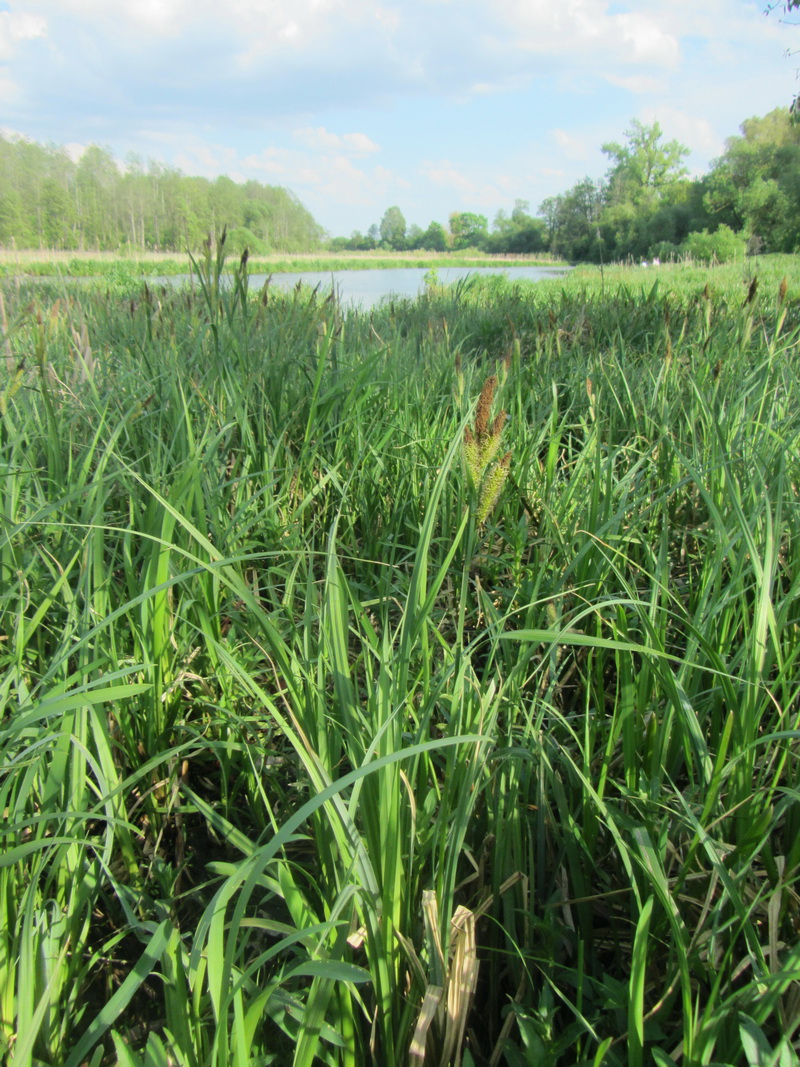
(22, 262)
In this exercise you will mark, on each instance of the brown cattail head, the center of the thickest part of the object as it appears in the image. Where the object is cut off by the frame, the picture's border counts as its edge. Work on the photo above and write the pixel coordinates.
(751, 292)
(498, 424)
(245, 257)
(485, 407)
(782, 290)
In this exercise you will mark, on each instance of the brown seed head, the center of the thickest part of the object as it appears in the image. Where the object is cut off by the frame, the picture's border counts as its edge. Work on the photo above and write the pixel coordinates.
(782, 290)
(498, 424)
(485, 407)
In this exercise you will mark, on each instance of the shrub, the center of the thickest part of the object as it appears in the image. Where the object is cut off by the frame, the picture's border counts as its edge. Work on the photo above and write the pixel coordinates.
(723, 245)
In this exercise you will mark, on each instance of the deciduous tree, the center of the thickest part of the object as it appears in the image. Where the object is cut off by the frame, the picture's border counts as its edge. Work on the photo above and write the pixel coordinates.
(393, 227)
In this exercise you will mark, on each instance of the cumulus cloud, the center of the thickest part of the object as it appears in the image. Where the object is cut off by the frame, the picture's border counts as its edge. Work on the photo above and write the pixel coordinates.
(303, 53)
(16, 27)
(581, 27)
(645, 41)
(695, 132)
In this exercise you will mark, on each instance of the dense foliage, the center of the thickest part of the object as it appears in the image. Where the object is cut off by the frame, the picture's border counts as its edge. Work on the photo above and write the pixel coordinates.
(49, 201)
(645, 206)
(518, 233)
(401, 687)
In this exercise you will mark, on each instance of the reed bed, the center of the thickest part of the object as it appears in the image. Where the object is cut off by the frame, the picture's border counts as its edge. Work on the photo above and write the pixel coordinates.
(412, 687)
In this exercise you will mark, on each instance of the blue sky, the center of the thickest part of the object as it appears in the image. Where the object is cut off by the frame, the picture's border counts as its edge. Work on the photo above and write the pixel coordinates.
(434, 105)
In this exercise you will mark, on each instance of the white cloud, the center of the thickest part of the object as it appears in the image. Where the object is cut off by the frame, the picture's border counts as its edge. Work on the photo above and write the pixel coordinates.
(359, 144)
(444, 173)
(572, 147)
(9, 90)
(639, 84)
(581, 27)
(695, 132)
(75, 150)
(476, 190)
(321, 177)
(19, 27)
(318, 139)
(647, 42)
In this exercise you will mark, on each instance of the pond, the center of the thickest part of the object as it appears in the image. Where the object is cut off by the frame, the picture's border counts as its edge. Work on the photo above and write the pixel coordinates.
(367, 288)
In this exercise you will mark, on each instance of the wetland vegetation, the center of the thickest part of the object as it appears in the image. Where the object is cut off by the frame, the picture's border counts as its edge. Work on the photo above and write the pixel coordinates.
(412, 686)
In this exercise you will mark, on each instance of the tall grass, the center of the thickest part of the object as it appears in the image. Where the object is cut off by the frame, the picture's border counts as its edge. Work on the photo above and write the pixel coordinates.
(310, 756)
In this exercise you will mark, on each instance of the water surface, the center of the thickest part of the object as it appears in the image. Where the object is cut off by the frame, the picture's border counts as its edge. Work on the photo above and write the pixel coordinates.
(367, 288)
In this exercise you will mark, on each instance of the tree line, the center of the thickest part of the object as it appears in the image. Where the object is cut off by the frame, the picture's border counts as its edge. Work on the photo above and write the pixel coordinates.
(645, 206)
(47, 200)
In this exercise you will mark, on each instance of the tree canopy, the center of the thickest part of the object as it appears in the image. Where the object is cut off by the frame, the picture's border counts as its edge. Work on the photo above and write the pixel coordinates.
(645, 164)
(48, 200)
(393, 227)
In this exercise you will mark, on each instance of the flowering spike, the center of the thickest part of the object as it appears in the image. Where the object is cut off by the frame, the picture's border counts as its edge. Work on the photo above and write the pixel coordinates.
(485, 407)
(492, 487)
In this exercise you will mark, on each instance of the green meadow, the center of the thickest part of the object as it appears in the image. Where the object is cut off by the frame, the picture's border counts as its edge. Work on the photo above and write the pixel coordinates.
(419, 686)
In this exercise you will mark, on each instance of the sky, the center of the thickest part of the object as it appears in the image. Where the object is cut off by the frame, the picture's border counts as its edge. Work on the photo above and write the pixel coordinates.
(435, 106)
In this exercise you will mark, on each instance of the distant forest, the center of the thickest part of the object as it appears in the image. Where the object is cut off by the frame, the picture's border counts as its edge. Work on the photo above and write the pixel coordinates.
(49, 201)
(645, 206)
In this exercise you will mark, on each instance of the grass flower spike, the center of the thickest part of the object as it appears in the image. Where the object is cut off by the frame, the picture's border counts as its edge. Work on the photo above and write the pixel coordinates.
(479, 448)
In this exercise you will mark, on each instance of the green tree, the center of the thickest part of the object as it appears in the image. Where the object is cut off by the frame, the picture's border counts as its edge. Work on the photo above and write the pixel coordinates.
(434, 239)
(393, 228)
(468, 230)
(518, 233)
(414, 235)
(643, 166)
(98, 181)
(572, 221)
(56, 214)
(754, 186)
(12, 218)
